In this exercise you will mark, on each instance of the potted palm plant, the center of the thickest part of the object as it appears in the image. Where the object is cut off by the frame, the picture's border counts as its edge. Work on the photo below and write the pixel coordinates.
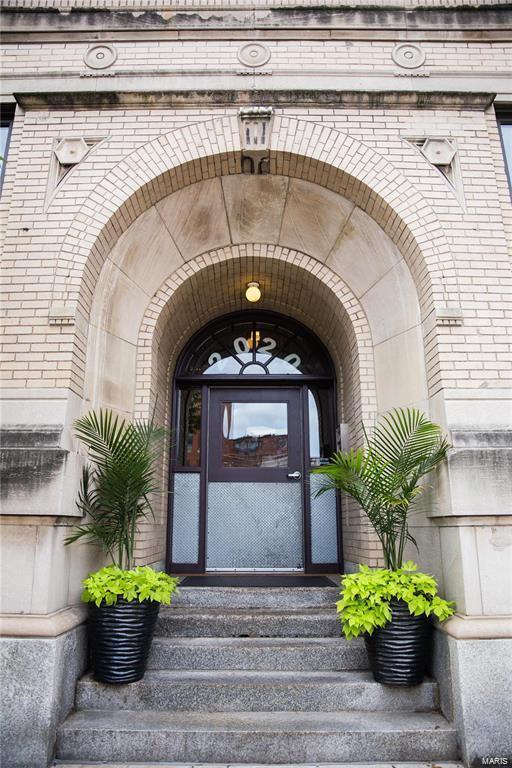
(391, 606)
(115, 495)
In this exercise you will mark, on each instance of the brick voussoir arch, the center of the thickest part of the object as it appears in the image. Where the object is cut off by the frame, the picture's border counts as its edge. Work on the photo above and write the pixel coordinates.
(300, 149)
(356, 324)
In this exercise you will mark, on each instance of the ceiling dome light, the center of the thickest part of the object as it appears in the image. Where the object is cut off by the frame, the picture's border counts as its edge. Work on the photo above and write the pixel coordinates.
(253, 292)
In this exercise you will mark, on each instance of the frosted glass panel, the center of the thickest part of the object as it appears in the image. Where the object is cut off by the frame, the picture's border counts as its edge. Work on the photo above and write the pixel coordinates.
(185, 519)
(324, 539)
(254, 526)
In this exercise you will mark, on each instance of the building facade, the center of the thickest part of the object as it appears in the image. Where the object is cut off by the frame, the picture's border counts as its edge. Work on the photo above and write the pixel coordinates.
(350, 161)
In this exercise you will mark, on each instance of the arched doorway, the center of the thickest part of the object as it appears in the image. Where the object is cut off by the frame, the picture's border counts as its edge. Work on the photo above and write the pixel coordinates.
(254, 410)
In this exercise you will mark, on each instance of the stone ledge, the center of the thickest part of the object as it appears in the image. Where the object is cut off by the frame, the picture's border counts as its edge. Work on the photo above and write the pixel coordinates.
(463, 627)
(377, 99)
(41, 625)
(460, 521)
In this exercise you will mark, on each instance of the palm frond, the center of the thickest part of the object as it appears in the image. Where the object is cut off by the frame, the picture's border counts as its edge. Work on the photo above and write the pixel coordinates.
(115, 492)
(383, 477)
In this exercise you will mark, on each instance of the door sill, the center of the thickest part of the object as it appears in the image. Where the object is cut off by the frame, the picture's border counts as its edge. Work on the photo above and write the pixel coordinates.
(254, 570)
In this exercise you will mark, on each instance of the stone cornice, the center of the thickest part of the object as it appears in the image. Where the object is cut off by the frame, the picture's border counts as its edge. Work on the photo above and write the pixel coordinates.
(244, 5)
(112, 99)
(23, 16)
(42, 625)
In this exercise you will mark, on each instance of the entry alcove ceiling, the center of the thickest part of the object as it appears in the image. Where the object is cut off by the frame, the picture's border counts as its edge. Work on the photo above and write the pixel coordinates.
(319, 258)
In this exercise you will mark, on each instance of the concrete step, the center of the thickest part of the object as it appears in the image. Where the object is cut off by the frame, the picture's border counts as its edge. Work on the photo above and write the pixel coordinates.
(241, 691)
(274, 598)
(270, 653)
(255, 737)
(248, 622)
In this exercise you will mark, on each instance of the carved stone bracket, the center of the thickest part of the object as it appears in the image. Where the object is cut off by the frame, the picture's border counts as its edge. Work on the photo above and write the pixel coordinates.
(255, 129)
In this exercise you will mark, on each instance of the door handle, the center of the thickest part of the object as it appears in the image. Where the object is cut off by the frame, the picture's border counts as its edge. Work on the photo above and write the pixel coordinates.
(294, 475)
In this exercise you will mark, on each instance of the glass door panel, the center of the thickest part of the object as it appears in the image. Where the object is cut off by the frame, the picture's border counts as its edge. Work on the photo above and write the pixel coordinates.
(255, 473)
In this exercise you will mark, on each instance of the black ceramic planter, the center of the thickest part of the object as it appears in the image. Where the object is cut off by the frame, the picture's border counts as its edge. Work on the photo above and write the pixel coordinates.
(399, 652)
(120, 638)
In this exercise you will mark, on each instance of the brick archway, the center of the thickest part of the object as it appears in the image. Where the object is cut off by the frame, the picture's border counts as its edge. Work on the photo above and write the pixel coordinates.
(299, 149)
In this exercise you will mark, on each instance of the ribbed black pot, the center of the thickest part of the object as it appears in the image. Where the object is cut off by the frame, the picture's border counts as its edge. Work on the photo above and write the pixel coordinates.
(399, 651)
(120, 639)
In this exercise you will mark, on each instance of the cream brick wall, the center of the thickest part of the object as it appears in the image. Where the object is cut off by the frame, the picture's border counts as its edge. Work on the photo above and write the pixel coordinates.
(157, 56)
(475, 280)
(63, 243)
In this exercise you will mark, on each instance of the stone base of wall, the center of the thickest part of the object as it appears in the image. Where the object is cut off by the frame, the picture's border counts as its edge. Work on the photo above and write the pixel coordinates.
(474, 681)
(38, 680)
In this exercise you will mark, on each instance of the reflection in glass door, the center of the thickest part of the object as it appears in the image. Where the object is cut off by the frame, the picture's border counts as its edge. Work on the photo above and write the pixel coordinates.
(254, 508)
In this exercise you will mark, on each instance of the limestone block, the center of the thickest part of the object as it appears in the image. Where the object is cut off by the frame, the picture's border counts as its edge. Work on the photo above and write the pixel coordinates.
(18, 545)
(115, 376)
(255, 207)
(480, 480)
(121, 304)
(476, 556)
(363, 253)
(494, 549)
(51, 576)
(196, 218)
(38, 477)
(391, 304)
(400, 371)
(38, 407)
(147, 241)
(313, 218)
(478, 408)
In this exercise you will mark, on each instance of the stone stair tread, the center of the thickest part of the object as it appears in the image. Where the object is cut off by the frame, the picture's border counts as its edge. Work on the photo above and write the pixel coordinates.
(247, 691)
(394, 764)
(177, 609)
(248, 643)
(255, 722)
(255, 737)
(255, 677)
(265, 653)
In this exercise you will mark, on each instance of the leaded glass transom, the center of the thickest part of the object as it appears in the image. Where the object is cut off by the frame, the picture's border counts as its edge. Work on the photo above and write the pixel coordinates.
(257, 347)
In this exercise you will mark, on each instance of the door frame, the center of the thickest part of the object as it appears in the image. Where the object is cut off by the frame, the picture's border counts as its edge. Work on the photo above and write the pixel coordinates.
(206, 383)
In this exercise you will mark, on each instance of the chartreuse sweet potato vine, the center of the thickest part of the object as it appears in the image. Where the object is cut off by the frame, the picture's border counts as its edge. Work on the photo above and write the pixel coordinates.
(365, 597)
(141, 583)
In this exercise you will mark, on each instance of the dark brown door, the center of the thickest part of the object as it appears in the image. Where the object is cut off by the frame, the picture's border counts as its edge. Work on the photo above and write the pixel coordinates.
(255, 479)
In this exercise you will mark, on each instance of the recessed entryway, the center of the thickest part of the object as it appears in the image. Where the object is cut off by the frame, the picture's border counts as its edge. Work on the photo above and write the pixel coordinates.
(254, 410)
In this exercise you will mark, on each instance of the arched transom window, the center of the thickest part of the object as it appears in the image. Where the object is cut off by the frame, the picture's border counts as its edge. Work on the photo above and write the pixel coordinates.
(255, 345)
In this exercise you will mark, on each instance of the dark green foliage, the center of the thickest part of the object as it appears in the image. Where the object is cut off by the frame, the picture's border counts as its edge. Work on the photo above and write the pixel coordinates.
(115, 488)
(383, 477)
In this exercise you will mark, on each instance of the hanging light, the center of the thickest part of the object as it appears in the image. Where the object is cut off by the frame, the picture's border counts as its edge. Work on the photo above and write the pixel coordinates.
(253, 292)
